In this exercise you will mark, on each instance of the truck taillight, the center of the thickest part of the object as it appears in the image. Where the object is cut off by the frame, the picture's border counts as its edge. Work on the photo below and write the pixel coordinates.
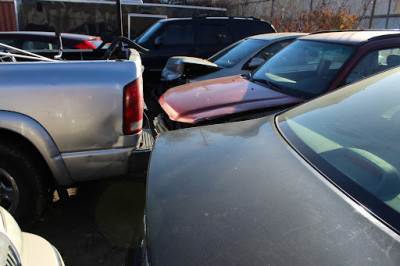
(133, 107)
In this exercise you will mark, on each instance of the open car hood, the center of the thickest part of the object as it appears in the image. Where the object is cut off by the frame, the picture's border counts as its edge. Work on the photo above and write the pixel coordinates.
(209, 99)
(178, 65)
(195, 60)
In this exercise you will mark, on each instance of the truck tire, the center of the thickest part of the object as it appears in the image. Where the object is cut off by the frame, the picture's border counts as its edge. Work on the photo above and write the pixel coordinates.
(23, 189)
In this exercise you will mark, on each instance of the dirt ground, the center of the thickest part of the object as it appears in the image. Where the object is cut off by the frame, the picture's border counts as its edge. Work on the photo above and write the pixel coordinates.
(98, 225)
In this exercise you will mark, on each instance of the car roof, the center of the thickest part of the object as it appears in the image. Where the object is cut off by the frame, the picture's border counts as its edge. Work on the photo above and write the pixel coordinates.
(356, 37)
(274, 36)
(48, 34)
(213, 18)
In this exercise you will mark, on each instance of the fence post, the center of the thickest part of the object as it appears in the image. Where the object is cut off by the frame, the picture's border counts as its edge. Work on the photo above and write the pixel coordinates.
(372, 14)
(388, 15)
(119, 18)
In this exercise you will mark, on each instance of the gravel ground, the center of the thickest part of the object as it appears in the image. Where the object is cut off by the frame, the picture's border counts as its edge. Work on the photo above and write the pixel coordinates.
(98, 224)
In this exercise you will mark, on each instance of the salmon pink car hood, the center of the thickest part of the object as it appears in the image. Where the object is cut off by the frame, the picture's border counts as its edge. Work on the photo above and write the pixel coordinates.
(209, 99)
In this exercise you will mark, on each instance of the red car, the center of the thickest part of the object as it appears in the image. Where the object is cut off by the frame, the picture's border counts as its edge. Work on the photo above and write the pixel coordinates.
(309, 67)
(39, 40)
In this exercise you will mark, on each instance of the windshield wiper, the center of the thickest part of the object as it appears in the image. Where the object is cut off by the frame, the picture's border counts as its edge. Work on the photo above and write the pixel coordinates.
(266, 82)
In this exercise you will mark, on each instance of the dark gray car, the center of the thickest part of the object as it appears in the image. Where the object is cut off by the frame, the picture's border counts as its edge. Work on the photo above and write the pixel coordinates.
(239, 58)
(316, 185)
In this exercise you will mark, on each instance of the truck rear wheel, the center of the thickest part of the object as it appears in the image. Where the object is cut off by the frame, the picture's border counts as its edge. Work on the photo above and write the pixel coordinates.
(23, 190)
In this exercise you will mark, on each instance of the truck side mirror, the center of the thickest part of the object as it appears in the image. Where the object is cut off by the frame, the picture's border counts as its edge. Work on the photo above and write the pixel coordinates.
(158, 41)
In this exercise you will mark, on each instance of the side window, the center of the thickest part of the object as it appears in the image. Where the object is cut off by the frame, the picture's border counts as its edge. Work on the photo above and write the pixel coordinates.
(215, 34)
(272, 49)
(33, 45)
(262, 56)
(374, 62)
(7, 42)
(178, 34)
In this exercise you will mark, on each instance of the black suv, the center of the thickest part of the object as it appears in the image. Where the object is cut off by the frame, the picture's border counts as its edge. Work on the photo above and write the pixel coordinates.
(198, 37)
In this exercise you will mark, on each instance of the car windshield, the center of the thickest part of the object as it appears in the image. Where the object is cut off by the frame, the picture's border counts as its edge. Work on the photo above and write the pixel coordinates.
(304, 69)
(352, 136)
(148, 33)
(231, 55)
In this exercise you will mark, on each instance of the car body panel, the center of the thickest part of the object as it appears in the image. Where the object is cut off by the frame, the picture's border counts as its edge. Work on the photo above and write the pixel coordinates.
(40, 138)
(350, 37)
(87, 102)
(225, 72)
(34, 245)
(75, 97)
(195, 60)
(24, 248)
(218, 97)
(171, 73)
(237, 194)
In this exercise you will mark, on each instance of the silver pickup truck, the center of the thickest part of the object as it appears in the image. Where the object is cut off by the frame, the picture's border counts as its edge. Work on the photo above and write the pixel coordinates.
(65, 121)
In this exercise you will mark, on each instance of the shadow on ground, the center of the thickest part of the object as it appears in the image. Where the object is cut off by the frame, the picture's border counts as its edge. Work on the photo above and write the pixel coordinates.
(99, 224)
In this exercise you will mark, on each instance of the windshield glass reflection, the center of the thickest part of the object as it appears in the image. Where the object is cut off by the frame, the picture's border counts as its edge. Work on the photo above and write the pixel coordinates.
(304, 69)
(353, 136)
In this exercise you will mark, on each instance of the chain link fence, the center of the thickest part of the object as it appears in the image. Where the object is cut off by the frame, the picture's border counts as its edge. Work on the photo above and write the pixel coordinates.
(378, 14)
(382, 14)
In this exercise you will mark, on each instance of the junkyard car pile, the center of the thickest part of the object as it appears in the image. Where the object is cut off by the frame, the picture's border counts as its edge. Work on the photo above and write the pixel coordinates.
(63, 122)
(198, 36)
(69, 121)
(238, 58)
(310, 66)
(317, 184)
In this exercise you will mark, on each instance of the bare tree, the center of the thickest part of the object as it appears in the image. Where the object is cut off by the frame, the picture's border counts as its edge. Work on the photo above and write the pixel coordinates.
(285, 11)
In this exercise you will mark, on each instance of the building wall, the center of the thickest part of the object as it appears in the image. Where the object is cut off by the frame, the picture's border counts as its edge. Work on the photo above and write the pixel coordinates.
(8, 21)
(98, 17)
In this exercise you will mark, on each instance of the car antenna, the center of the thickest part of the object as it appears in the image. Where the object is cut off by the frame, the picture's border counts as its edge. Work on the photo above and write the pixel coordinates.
(119, 21)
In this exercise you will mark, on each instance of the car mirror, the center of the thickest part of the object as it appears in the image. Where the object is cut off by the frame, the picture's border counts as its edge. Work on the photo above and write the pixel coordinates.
(158, 41)
(255, 62)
